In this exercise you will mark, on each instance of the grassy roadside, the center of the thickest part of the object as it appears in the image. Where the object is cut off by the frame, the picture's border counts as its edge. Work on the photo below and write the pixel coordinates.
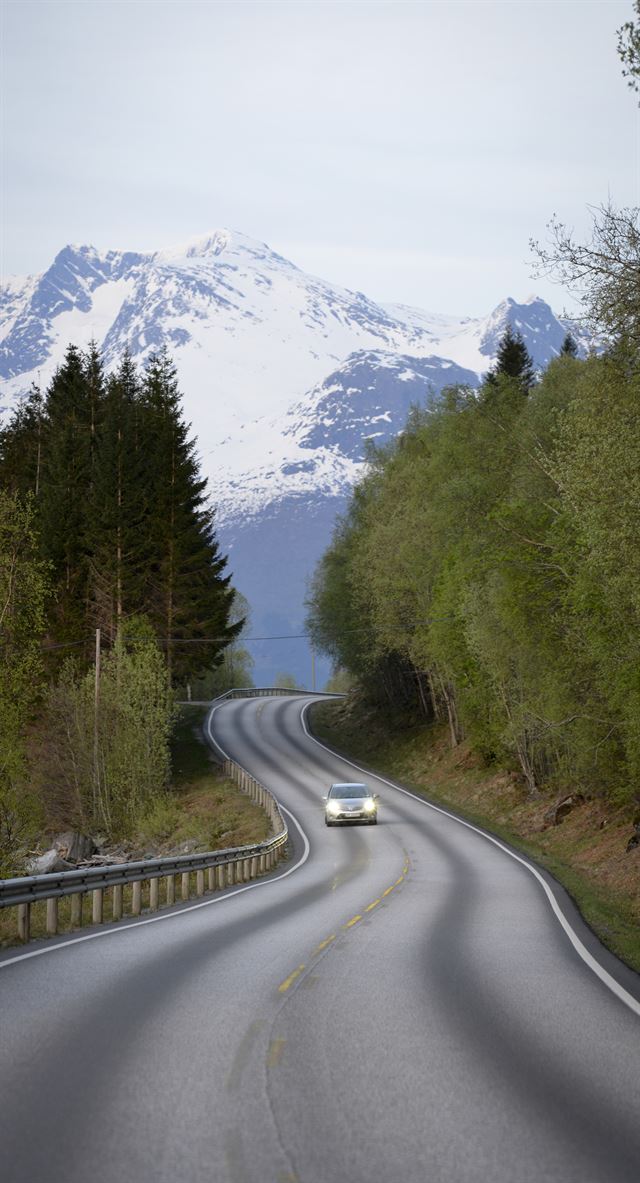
(586, 852)
(203, 806)
(202, 810)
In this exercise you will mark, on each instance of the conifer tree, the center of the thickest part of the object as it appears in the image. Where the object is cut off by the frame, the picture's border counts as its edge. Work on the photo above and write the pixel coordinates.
(569, 347)
(21, 447)
(117, 504)
(513, 360)
(66, 481)
(189, 595)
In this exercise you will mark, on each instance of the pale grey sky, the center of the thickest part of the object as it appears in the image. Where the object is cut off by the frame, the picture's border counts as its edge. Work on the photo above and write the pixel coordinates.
(408, 149)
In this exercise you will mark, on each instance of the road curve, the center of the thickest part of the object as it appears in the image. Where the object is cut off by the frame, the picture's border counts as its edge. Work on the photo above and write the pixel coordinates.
(395, 1003)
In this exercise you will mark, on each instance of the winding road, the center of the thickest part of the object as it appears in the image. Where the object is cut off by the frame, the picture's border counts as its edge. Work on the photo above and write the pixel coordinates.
(404, 1003)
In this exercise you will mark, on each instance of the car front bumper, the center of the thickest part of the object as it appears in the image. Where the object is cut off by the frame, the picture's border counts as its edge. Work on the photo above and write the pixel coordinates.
(352, 815)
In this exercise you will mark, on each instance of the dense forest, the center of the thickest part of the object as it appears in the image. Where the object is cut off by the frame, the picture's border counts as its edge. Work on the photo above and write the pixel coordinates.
(488, 569)
(487, 572)
(112, 591)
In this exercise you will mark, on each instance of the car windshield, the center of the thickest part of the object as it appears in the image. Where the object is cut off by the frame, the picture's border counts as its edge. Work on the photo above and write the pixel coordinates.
(350, 791)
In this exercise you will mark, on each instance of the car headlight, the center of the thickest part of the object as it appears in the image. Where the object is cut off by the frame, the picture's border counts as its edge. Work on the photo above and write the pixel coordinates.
(370, 805)
(333, 807)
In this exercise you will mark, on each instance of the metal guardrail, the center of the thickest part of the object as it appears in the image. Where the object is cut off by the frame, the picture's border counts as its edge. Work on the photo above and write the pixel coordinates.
(259, 692)
(223, 867)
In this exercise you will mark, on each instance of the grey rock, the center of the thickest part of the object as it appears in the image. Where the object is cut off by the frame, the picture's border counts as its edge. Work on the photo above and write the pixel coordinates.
(562, 808)
(48, 863)
(74, 846)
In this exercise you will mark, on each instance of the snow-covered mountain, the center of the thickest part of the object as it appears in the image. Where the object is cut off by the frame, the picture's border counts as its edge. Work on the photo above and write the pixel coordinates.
(284, 376)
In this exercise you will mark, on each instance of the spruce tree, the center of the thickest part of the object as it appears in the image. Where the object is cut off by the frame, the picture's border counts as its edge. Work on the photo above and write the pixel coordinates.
(513, 360)
(117, 505)
(66, 481)
(569, 347)
(21, 447)
(189, 595)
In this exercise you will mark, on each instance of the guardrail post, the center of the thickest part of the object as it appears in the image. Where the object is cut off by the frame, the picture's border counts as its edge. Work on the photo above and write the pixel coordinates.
(185, 885)
(230, 874)
(76, 910)
(262, 864)
(221, 874)
(211, 878)
(97, 901)
(253, 872)
(136, 900)
(116, 902)
(154, 887)
(171, 889)
(52, 916)
(24, 921)
(199, 883)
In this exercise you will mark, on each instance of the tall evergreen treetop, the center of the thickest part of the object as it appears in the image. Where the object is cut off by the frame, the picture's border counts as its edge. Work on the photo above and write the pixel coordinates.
(21, 447)
(569, 347)
(513, 360)
(67, 461)
(190, 595)
(118, 505)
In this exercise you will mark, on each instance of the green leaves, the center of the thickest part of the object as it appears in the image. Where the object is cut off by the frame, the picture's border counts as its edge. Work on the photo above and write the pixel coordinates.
(495, 548)
(23, 593)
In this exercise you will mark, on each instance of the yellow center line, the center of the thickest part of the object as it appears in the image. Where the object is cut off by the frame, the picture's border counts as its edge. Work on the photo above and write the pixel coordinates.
(274, 1055)
(354, 920)
(291, 979)
(323, 944)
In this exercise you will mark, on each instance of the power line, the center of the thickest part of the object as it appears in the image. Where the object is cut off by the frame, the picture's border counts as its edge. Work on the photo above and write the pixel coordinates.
(89, 639)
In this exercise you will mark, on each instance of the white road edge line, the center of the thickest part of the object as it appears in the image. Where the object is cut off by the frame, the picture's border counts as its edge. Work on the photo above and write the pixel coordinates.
(581, 949)
(111, 932)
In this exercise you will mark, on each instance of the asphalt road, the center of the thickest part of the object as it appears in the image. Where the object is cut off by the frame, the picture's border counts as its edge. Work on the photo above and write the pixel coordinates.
(397, 1003)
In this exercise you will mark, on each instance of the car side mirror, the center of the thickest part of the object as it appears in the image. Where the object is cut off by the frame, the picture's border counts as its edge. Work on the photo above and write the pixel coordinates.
(325, 798)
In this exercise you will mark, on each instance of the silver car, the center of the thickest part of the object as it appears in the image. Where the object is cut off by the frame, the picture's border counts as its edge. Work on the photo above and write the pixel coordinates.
(350, 803)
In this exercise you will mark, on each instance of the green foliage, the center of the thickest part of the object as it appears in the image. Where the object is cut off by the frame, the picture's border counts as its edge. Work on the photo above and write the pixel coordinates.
(493, 549)
(286, 682)
(513, 360)
(190, 595)
(569, 347)
(23, 594)
(236, 666)
(109, 754)
(340, 682)
(122, 509)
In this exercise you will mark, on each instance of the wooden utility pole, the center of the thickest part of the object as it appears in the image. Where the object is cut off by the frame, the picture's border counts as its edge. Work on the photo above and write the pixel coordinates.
(313, 670)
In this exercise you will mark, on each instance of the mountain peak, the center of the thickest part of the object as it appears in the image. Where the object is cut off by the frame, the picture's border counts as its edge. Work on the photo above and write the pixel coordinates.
(210, 246)
(214, 243)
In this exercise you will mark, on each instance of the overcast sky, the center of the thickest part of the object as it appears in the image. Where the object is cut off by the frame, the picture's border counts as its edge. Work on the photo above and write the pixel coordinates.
(407, 149)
